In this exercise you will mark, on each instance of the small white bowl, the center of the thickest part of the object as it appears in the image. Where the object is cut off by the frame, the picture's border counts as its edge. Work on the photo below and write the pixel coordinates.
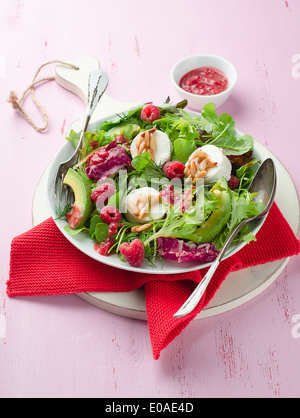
(196, 101)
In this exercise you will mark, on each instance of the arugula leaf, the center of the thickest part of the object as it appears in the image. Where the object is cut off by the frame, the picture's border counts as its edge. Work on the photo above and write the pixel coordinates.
(209, 113)
(132, 116)
(241, 171)
(223, 133)
(233, 145)
(245, 173)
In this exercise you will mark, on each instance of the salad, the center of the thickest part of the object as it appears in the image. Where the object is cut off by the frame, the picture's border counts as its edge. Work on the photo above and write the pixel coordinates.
(159, 183)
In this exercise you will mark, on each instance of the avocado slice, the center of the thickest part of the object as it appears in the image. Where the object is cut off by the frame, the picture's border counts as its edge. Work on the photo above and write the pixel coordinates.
(218, 218)
(128, 130)
(82, 206)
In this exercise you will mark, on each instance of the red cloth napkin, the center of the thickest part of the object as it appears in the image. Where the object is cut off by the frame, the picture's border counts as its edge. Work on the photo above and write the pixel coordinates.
(44, 262)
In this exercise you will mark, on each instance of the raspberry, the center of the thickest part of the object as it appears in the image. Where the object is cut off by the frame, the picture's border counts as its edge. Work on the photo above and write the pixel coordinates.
(94, 144)
(233, 183)
(113, 228)
(98, 156)
(110, 214)
(150, 113)
(174, 170)
(168, 194)
(120, 139)
(133, 253)
(105, 191)
(102, 248)
(185, 200)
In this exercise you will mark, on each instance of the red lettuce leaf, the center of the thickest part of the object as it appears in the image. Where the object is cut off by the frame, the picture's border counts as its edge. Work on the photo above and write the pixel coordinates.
(178, 250)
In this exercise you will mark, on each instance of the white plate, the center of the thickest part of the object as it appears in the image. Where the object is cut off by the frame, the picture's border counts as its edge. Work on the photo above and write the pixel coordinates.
(86, 245)
(239, 287)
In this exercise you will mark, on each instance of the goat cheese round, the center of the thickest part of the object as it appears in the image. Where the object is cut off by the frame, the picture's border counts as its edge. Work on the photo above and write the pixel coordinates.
(143, 205)
(163, 147)
(216, 155)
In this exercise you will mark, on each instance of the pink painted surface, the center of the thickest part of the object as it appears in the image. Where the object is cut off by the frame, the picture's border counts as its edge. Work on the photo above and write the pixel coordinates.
(63, 347)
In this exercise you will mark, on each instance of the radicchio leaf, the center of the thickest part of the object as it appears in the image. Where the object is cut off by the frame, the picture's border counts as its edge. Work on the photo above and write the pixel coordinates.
(107, 161)
(180, 251)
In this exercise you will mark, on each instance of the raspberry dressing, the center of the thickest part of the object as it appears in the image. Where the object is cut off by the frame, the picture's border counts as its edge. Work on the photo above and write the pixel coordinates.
(74, 216)
(204, 81)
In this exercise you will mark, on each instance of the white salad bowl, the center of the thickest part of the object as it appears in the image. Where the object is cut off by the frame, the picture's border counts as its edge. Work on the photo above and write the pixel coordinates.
(83, 242)
(193, 62)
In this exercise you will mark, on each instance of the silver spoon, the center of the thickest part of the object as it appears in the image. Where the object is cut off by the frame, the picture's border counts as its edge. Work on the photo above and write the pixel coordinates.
(264, 184)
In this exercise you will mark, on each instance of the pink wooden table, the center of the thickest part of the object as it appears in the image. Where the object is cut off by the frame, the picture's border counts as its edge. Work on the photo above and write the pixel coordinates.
(63, 347)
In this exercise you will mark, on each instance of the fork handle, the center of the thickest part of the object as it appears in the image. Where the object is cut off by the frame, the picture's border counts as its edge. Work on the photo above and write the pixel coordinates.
(98, 81)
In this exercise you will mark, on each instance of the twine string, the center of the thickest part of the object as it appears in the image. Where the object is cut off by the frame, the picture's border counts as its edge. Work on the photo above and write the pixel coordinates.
(16, 102)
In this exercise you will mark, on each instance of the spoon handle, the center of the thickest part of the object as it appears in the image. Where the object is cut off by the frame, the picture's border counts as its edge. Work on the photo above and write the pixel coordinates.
(190, 304)
(267, 167)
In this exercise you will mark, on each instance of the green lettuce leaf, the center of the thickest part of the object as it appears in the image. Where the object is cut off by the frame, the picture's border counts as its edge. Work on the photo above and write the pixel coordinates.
(242, 207)
(233, 145)
(223, 134)
(183, 148)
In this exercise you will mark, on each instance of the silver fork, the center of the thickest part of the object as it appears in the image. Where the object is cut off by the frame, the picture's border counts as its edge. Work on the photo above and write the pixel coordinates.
(98, 81)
